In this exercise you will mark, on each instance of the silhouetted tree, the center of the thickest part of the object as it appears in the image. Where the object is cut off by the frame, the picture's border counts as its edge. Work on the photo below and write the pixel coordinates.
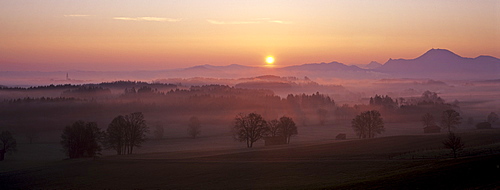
(428, 120)
(81, 139)
(454, 143)
(249, 128)
(367, 124)
(287, 127)
(273, 128)
(137, 130)
(194, 127)
(322, 115)
(126, 132)
(450, 119)
(492, 117)
(116, 135)
(8, 144)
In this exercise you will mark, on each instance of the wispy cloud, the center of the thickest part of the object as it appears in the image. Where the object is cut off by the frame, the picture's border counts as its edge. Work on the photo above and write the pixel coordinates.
(280, 22)
(77, 15)
(232, 22)
(252, 21)
(156, 19)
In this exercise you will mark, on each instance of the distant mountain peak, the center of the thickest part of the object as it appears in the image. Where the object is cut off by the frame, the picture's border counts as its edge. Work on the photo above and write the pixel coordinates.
(372, 65)
(439, 54)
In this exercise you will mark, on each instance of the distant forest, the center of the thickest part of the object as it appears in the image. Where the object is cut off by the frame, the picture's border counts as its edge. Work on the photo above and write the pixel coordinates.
(213, 104)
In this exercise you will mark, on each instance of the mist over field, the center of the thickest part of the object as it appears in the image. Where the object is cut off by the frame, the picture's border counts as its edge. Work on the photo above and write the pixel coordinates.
(322, 99)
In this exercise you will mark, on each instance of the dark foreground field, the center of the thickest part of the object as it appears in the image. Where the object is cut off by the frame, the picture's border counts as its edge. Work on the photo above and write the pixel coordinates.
(399, 162)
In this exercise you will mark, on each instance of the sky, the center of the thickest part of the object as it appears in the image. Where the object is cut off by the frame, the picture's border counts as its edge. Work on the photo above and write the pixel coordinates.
(55, 35)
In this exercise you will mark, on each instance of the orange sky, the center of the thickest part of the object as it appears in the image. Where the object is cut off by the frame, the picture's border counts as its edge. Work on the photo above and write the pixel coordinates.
(152, 35)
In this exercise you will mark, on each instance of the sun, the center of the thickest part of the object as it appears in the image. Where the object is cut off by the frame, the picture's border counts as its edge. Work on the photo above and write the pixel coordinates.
(269, 60)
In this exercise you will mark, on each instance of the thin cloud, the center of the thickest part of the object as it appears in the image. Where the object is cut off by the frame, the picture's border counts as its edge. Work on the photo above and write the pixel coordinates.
(280, 22)
(253, 21)
(156, 19)
(232, 22)
(76, 15)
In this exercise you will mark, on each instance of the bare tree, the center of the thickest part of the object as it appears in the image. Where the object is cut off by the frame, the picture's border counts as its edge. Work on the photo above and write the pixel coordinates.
(194, 127)
(288, 127)
(428, 120)
(249, 128)
(367, 124)
(8, 144)
(273, 128)
(116, 135)
(454, 143)
(137, 130)
(450, 119)
(81, 139)
(126, 132)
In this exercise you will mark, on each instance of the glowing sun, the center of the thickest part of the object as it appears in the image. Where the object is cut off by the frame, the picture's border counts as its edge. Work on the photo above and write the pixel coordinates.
(270, 60)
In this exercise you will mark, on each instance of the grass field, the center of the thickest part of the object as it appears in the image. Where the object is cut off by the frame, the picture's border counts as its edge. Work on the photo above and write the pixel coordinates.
(380, 163)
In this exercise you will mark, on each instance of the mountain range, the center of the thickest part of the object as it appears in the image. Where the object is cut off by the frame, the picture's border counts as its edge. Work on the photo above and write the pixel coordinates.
(442, 63)
(434, 64)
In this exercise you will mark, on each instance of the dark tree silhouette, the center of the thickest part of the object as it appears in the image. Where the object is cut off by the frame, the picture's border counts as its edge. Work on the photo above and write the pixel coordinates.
(454, 143)
(81, 139)
(273, 128)
(116, 135)
(450, 119)
(288, 127)
(492, 117)
(137, 130)
(126, 132)
(194, 127)
(428, 120)
(249, 128)
(367, 124)
(8, 144)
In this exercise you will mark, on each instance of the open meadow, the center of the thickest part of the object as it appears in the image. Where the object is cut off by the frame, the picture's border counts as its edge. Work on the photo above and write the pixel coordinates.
(395, 162)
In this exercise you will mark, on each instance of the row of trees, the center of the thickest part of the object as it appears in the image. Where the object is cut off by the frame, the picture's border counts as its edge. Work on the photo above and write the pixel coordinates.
(85, 139)
(252, 127)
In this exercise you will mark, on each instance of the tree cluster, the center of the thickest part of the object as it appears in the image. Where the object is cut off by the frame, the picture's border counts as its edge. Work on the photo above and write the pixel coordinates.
(82, 139)
(85, 139)
(252, 127)
(367, 124)
(384, 101)
(126, 132)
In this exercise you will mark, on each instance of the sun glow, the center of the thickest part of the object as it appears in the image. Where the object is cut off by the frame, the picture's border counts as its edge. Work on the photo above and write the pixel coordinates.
(269, 60)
